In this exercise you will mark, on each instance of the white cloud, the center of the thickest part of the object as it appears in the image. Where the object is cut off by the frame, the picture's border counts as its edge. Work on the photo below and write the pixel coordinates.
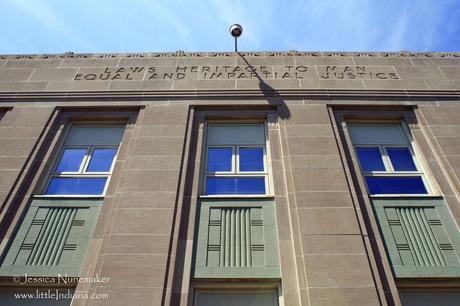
(169, 15)
(53, 20)
(327, 25)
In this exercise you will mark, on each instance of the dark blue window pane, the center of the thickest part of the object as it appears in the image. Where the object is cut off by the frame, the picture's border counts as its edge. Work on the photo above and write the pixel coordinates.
(101, 160)
(401, 159)
(71, 160)
(73, 185)
(370, 159)
(219, 159)
(235, 185)
(396, 185)
(251, 159)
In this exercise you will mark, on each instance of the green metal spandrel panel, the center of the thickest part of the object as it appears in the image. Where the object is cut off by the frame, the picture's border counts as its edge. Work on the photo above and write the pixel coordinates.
(240, 298)
(17, 296)
(237, 239)
(421, 237)
(53, 238)
(430, 297)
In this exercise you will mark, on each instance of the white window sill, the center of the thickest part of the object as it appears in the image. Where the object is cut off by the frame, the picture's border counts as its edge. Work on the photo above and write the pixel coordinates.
(405, 196)
(236, 196)
(67, 196)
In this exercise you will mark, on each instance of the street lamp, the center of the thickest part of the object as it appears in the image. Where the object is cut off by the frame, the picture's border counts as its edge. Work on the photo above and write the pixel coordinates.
(236, 30)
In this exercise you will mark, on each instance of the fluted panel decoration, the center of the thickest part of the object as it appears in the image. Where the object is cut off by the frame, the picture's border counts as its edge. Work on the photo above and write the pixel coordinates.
(235, 237)
(50, 236)
(420, 237)
(53, 238)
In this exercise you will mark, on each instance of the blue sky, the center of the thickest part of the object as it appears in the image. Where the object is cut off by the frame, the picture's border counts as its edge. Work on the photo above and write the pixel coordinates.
(57, 26)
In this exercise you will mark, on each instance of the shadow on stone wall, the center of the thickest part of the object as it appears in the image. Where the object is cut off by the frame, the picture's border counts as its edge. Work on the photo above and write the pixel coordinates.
(272, 95)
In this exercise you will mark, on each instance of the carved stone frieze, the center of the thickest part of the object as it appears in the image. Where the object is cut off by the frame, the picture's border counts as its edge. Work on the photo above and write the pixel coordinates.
(180, 53)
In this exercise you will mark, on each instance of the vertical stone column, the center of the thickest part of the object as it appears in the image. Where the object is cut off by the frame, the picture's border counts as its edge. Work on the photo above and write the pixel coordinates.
(330, 249)
(439, 141)
(135, 244)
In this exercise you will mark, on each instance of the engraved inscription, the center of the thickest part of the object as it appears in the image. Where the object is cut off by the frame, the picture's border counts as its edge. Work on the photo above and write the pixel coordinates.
(236, 72)
(226, 72)
(356, 72)
(110, 74)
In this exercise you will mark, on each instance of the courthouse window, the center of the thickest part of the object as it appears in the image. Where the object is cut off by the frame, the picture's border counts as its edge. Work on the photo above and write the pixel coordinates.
(55, 233)
(387, 159)
(85, 162)
(236, 237)
(236, 162)
(420, 236)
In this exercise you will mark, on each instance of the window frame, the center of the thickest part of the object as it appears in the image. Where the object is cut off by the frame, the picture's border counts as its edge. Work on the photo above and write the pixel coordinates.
(235, 172)
(41, 161)
(62, 146)
(409, 119)
(389, 169)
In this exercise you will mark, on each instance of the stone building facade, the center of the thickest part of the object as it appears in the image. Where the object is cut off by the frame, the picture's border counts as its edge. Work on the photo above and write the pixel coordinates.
(253, 178)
